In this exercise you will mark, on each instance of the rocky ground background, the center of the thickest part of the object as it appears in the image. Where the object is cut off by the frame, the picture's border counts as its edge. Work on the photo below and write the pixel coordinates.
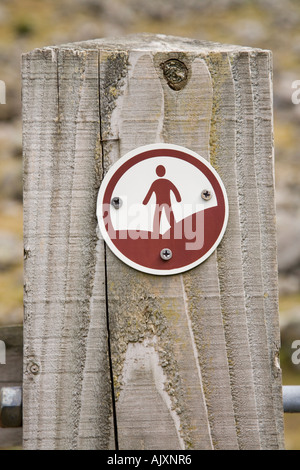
(269, 24)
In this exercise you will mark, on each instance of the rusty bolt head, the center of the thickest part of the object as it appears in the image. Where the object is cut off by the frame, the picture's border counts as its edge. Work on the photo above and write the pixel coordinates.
(176, 73)
(10, 407)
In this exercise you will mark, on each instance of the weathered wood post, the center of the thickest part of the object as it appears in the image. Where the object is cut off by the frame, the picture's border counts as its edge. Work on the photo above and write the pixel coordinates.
(113, 356)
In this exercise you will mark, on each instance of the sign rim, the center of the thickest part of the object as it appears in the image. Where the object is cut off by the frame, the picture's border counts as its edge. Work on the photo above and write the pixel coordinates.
(115, 166)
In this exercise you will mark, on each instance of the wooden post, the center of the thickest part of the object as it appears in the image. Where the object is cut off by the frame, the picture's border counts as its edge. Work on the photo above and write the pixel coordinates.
(194, 356)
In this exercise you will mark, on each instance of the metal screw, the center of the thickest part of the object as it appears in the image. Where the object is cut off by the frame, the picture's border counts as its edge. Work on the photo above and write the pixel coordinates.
(166, 254)
(34, 368)
(11, 407)
(176, 73)
(116, 202)
(206, 195)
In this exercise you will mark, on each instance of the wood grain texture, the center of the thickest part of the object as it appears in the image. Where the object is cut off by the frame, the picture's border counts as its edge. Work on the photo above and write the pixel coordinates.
(193, 357)
(201, 286)
(65, 355)
(261, 74)
(229, 256)
(251, 250)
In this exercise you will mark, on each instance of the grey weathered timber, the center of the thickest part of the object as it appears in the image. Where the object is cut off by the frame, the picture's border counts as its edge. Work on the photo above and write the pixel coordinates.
(65, 341)
(113, 356)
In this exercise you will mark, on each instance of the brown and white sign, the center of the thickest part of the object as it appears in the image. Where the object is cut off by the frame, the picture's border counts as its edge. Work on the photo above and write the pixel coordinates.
(162, 209)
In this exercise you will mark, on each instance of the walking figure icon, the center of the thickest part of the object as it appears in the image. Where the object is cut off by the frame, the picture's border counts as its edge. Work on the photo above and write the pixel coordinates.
(162, 188)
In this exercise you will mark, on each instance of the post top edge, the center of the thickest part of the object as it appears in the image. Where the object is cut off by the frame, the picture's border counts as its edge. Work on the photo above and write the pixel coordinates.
(150, 42)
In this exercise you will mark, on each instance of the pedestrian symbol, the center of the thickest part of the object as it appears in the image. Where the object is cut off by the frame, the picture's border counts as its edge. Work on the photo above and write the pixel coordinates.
(162, 209)
(162, 189)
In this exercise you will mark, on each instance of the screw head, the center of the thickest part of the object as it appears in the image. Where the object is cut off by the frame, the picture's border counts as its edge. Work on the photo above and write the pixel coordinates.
(206, 195)
(11, 407)
(116, 202)
(166, 254)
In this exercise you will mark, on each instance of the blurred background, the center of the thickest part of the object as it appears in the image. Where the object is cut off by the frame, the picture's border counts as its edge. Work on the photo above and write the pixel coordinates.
(267, 24)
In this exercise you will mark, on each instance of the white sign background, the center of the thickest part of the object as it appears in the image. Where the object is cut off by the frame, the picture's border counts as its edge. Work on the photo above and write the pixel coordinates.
(135, 183)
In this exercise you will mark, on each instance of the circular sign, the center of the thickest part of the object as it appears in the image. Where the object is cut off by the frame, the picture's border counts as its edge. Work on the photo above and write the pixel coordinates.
(162, 209)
